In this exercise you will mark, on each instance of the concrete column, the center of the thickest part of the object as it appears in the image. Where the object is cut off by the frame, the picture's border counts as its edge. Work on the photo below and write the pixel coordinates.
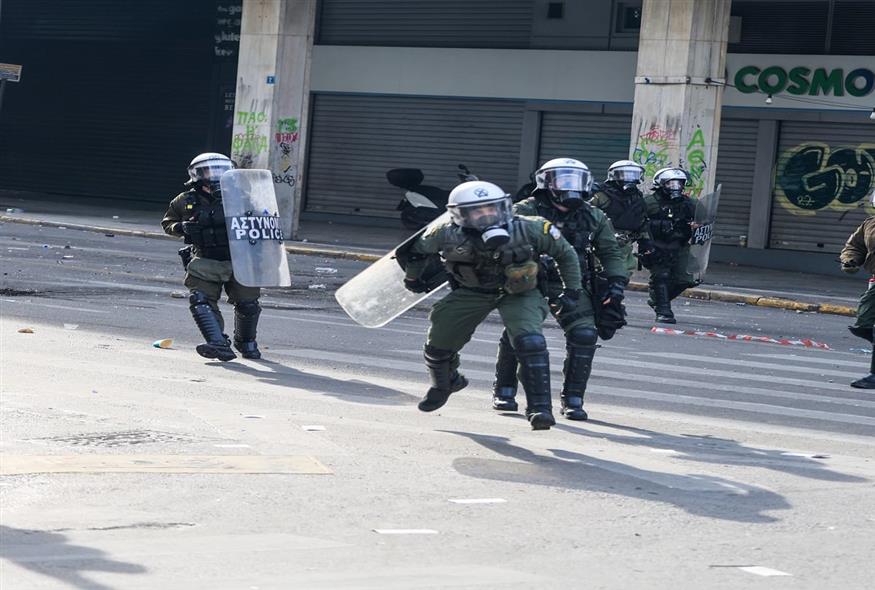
(272, 101)
(678, 88)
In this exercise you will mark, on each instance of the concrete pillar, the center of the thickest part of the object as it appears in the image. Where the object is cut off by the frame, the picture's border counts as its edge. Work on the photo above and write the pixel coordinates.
(272, 101)
(678, 88)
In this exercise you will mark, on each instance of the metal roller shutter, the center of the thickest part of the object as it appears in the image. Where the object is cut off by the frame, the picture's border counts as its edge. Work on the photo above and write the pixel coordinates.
(736, 157)
(426, 23)
(115, 97)
(356, 139)
(824, 177)
(596, 140)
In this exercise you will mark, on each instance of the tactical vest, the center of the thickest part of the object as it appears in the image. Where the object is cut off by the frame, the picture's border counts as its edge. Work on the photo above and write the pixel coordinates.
(627, 211)
(209, 236)
(473, 265)
(671, 223)
(577, 227)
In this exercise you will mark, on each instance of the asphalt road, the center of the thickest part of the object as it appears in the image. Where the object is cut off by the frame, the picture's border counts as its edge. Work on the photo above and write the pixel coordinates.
(707, 463)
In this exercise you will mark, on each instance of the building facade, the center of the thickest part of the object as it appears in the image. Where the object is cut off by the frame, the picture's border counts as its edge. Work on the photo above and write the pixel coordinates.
(499, 85)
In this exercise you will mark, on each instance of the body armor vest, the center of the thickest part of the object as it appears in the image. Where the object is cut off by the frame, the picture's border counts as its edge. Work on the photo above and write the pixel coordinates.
(473, 265)
(210, 235)
(577, 227)
(627, 211)
(671, 224)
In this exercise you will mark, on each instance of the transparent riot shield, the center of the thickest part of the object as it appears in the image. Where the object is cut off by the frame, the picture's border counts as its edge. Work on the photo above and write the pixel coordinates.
(255, 233)
(703, 232)
(376, 296)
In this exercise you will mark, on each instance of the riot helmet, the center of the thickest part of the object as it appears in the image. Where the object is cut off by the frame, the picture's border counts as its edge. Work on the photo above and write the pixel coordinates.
(482, 207)
(671, 182)
(566, 181)
(625, 174)
(206, 169)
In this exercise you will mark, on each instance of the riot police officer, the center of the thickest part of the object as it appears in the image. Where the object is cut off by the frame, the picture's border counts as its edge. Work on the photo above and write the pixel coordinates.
(197, 216)
(562, 190)
(492, 257)
(623, 202)
(671, 214)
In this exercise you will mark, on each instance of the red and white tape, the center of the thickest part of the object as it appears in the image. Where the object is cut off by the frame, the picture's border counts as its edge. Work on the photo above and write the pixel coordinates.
(807, 343)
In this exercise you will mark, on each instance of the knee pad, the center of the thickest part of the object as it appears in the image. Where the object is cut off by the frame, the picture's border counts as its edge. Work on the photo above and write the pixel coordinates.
(438, 355)
(248, 308)
(198, 298)
(529, 343)
(582, 336)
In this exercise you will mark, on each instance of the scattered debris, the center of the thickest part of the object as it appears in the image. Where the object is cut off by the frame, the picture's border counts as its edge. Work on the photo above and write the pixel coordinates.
(313, 427)
(14, 210)
(317, 286)
(253, 416)
(178, 295)
(326, 270)
(740, 303)
(67, 256)
(109, 235)
(25, 330)
(115, 216)
(163, 343)
(71, 326)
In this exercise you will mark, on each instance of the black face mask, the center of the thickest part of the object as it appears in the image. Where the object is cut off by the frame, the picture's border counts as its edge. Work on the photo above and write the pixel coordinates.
(494, 237)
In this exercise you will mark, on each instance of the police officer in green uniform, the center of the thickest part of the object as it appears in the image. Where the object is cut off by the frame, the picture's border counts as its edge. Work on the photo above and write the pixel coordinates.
(197, 216)
(671, 214)
(492, 259)
(859, 252)
(623, 202)
(563, 187)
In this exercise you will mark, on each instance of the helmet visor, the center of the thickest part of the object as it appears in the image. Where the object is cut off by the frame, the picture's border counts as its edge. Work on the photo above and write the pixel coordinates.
(481, 216)
(627, 175)
(210, 171)
(675, 184)
(567, 179)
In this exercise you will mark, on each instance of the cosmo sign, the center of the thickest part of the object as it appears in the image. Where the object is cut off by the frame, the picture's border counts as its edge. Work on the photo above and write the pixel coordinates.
(846, 79)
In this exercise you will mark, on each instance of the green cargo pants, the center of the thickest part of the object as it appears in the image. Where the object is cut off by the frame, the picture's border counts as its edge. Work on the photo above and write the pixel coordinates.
(455, 317)
(866, 308)
(671, 267)
(210, 276)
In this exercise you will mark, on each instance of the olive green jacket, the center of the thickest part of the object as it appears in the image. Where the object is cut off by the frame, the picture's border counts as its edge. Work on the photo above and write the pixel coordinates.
(588, 220)
(860, 247)
(535, 234)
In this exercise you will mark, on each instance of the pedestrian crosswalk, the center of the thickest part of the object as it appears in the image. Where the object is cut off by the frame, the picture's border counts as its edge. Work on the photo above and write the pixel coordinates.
(752, 384)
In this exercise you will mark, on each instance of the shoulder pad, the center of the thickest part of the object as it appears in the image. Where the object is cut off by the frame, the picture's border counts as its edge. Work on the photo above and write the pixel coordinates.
(435, 228)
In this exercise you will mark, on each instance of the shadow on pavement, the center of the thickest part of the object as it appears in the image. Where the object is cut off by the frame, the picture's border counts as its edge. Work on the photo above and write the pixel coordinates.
(50, 554)
(723, 451)
(352, 390)
(702, 495)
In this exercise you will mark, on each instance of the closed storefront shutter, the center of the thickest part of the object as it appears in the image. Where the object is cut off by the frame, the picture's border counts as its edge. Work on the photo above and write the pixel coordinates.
(115, 98)
(356, 139)
(736, 157)
(426, 23)
(596, 140)
(824, 177)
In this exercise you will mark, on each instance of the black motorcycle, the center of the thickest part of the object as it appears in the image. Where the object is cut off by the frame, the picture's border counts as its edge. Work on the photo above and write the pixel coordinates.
(421, 203)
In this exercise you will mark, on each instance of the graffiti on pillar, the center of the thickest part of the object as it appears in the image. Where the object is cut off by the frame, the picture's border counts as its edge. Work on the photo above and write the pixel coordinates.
(252, 141)
(286, 144)
(815, 176)
(226, 35)
(653, 149)
(695, 164)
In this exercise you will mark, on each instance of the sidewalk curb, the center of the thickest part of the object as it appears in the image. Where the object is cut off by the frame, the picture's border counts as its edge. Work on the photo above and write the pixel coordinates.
(332, 252)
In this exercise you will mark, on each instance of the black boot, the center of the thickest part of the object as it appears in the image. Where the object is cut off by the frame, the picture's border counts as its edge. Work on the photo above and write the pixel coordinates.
(245, 322)
(661, 303)
(505, 384)
(580, 345)
(445, 378)
(534, 374)
(864, 333)
(208, 320)
(867, 382)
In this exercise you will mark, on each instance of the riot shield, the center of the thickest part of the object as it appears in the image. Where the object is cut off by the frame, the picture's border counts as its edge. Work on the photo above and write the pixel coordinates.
(255, 233)
(376, 296)
(703, 232)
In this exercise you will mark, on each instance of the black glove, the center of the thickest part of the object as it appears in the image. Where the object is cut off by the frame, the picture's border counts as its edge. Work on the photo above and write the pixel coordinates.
(615, 291)
(415, 285)
(188, 227)
(645, 247)
(566, 302)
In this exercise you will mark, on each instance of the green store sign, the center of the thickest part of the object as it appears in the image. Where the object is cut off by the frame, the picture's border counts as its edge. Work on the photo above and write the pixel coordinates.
(805, 81)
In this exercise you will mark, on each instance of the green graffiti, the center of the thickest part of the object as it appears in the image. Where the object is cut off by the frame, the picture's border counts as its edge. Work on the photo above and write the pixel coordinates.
(652, 149)
(289, 125)
(815, 176)
(696, 164)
